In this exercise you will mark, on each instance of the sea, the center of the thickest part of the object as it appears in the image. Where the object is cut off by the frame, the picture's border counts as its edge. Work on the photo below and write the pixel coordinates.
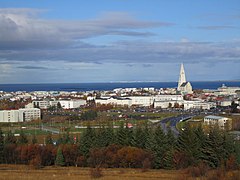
(80, 87)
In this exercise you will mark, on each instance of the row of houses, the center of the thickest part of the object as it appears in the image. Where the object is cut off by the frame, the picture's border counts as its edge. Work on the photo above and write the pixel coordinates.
(158, 101)
(20, 115)
(65, 104)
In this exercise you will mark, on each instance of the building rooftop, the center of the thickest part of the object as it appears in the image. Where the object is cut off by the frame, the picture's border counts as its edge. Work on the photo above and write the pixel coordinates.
(214, 117)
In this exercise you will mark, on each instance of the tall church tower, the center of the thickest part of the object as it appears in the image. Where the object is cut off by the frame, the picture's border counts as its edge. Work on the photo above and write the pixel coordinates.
(182, 77)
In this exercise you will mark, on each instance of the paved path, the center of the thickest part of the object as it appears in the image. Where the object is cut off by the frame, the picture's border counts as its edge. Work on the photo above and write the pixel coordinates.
(172, 121)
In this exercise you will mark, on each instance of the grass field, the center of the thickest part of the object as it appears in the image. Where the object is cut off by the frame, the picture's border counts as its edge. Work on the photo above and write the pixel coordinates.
(13, 172)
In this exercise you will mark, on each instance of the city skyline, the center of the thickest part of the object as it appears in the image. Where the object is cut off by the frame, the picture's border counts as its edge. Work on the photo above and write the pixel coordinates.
(118, 41)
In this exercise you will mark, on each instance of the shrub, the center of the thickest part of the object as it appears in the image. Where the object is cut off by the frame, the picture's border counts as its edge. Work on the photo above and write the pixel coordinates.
(231, 163)
(36, 162)
(146, 165)
(198, 171)
(96, 172)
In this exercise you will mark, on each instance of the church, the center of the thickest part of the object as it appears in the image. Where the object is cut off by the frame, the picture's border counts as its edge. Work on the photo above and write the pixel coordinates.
(184, 87)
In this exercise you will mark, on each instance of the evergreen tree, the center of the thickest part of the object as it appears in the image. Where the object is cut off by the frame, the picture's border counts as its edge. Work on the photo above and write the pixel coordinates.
(121, 135)
(147, 133)
(157, 144)
(10, 138)
(140, 136)
(87, 140)
(237, 151)
(170, 138)
(49, 139)
(213, 149)
(170, 146)
(34, 139)
(1, 146)
(67, 139)
(22, 138)
(105, 136)
(129, 136)
(59, 158)
(228, 145)
(187, 143)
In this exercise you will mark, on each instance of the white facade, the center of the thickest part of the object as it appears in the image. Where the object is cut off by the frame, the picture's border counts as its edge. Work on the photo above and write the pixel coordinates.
(224, 90)
(41, 104)
(29, 114)
(9, 116)
(225, 103)
(166, 104)
(186, 88)
(182, 77)
(138, 100)
(114, 101)
(183, 86)
(71, 104)
(219, 120)
(141, 100)
(20, 115)
(198, 105)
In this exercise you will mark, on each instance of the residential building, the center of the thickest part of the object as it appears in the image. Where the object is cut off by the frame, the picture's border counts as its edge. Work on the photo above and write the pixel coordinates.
(20, 115)
(222, 122)
(71, 104)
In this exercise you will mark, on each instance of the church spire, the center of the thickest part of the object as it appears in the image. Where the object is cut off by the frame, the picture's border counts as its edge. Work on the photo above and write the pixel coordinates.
(182, 77)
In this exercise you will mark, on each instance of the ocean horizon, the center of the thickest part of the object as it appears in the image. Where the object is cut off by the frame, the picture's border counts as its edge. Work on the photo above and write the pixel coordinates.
(110, 86)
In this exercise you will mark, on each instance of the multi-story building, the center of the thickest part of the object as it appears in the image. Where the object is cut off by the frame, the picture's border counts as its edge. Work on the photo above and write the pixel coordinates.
(43, 104)
(71, 104)
(198, 105)
(222, 122)
(20, 115)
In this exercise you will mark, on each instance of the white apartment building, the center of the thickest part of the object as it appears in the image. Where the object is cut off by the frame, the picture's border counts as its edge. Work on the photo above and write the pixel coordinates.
(114, 101)
(9, 116)
(198, 105)
(219, 120)
(224, 90)
(138, 100)
(43, 104)
(71, 104)
(166, 104)
(20, 115)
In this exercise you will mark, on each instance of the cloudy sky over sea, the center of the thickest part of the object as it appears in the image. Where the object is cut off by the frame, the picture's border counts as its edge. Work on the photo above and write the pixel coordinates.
(118, 40)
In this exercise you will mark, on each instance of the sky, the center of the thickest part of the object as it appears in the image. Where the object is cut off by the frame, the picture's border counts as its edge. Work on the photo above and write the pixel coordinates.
(76, 41)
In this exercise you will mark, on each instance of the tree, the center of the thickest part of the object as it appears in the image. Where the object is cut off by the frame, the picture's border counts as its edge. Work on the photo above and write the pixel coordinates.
(1, 146)
(105, 136)
(213, 151)
(49, 139)
(169, 154)
(140, 136)
(187, 144)
(89, 115)
(157, 144)
(34, 139)
(87, 140)
(10, 138)
(59, 158)
(121, 135)
(234, 107)
(22, 138)
(59, 106)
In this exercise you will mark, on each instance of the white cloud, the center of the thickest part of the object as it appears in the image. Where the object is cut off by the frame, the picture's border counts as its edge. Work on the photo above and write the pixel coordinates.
(22, 28)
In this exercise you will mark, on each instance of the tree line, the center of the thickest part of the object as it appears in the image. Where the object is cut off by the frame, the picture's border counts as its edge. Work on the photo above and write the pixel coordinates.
(142, 146)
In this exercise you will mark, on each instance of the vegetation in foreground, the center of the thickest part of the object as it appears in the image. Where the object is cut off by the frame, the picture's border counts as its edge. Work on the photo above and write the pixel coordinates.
(12, 172)
(143, 147)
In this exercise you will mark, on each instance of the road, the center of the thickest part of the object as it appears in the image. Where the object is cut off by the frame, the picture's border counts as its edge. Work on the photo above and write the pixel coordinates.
(172, 121)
